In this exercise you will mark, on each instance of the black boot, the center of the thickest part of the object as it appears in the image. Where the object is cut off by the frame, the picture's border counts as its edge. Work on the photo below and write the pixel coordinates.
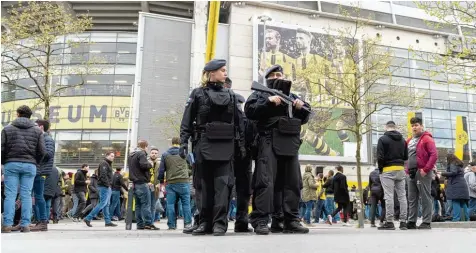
(217, 231)
(262, 228)
(411, 225)
(201, 230)
(424, 226)
(242, 228)
(276, 226)
(403, 225)
(294, 227)
(387, 226)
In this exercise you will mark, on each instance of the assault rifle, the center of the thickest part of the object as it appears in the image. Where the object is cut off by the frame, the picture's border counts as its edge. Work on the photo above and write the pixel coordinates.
(285, 98)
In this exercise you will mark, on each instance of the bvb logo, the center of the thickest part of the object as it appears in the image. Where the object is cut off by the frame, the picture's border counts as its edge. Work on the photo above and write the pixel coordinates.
(462, 138)
(121, 114)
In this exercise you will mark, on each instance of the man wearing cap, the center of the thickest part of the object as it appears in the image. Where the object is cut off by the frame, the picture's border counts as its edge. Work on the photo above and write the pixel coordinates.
(277, 167)
(392, 152)
(213, 109)
(274, 55)
(242, 168)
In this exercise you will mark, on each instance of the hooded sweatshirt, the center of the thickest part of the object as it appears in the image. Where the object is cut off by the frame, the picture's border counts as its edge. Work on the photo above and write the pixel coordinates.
(139, 167)
(392, 152)
(22, 141)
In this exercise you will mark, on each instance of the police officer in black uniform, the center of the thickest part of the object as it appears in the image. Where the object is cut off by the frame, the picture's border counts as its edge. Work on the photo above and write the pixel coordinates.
(213, 108)
(277, 165)
(242, 169)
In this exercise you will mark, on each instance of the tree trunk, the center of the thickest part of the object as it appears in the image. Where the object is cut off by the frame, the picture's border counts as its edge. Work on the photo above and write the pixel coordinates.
(360, 200)
(46, 114)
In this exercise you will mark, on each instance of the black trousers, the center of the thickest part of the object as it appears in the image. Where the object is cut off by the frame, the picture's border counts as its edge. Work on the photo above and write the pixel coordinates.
(345, 207)
(216, 182)
(242, 169)
(276, 184)
(374, 199)
(81, 204)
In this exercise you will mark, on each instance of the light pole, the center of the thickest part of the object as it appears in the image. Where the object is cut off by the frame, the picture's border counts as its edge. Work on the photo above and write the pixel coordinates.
(264, 18)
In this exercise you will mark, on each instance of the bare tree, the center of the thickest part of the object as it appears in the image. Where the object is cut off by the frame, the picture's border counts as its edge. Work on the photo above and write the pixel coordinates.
(356, 79)
(31, 50)
(457, 63)
(169, 124)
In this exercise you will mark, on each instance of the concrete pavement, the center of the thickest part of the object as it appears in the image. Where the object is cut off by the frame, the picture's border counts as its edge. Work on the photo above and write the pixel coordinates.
(68, 237)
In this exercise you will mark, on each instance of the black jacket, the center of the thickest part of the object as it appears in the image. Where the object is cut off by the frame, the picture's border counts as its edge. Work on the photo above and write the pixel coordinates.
(52, 184)
(46, 166)
(105, 173)
(139, 167)
(22, 141)
(80, 181)
(93, 187)
(375, 184)
(329, 186)
(392, 150)
(341, 189)
(118, 182)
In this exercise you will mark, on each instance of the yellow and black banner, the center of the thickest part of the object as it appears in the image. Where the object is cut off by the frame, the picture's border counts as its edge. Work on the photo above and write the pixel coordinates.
(411, 115)
(461, 138)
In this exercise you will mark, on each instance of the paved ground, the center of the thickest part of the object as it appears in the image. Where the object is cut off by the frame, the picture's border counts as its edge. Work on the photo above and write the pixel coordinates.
(76, 237)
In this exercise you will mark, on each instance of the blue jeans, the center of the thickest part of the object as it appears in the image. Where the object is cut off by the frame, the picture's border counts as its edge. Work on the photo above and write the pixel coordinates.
(436, 206)
(320, 209)
(330, 206)
(75, 205)
(55, 202)
(142, 197)
(115, 208)
(449, 208)
(174, 191)
(307, 213)
(40, 203)
(193, 206)
(18, 175)
(104, 203)
(232, 211)
(472, 207)
(457, 206)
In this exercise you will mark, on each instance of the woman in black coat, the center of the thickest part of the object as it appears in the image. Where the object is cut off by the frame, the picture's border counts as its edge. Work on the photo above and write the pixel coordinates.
(457, 189)
(341, 195)
(52, 193)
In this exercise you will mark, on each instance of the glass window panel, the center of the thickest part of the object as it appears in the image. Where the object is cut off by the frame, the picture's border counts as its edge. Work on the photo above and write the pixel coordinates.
(103, 37)
(127, 37)
(462, 106)
(438, 86)
(461, 97)
(443, 143)
(440, 114)
(99, 79)
(125, 69)
(418, 64)
(77, 48)
(95, 135)
(401, 81)
(442, 133)
(126, 48)
(103, 69)
(418, 73)
(94, 151)
(108, 58)
(71, 80)
(398, 52)
(124, 79)
(118, 135)
(83, 38)
(102, 47)
(399, 71)
(440, 104)
(435, 94)
(68, 135)
(126, 59)
(400, 62)
(420, 83)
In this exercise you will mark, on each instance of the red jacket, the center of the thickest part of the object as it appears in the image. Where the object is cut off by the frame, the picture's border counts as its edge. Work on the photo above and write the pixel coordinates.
(426, 152)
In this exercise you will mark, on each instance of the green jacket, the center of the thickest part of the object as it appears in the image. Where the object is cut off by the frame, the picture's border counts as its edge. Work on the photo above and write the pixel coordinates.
(309, 187)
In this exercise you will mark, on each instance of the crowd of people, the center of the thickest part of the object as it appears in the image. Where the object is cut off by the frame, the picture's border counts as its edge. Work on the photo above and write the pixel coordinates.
(214, 183)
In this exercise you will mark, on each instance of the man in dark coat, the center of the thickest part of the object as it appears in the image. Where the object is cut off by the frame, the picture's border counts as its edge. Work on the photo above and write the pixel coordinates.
(376, 195)
(53, 194)
(341, 195)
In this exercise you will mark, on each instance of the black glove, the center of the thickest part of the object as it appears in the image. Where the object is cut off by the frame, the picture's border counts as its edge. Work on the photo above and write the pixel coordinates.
(183, 151)
(243, 152)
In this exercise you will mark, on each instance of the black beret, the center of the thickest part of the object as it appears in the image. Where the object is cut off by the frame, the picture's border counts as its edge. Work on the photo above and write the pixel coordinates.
(214, 64)
(274, 68)
(240, 99)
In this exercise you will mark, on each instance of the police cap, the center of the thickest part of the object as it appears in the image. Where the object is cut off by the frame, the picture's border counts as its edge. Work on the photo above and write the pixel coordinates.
(214, 65)
(274, 68)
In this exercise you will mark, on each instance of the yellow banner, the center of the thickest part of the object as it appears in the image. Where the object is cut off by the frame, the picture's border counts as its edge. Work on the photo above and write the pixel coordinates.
(92, 112)
(461, 137)
(213, 16)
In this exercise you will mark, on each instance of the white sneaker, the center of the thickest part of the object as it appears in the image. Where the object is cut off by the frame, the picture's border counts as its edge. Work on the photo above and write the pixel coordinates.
(329, 219)
(346, 224)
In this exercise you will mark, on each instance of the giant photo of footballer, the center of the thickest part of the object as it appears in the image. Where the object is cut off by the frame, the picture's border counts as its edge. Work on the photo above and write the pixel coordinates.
(296, 48)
